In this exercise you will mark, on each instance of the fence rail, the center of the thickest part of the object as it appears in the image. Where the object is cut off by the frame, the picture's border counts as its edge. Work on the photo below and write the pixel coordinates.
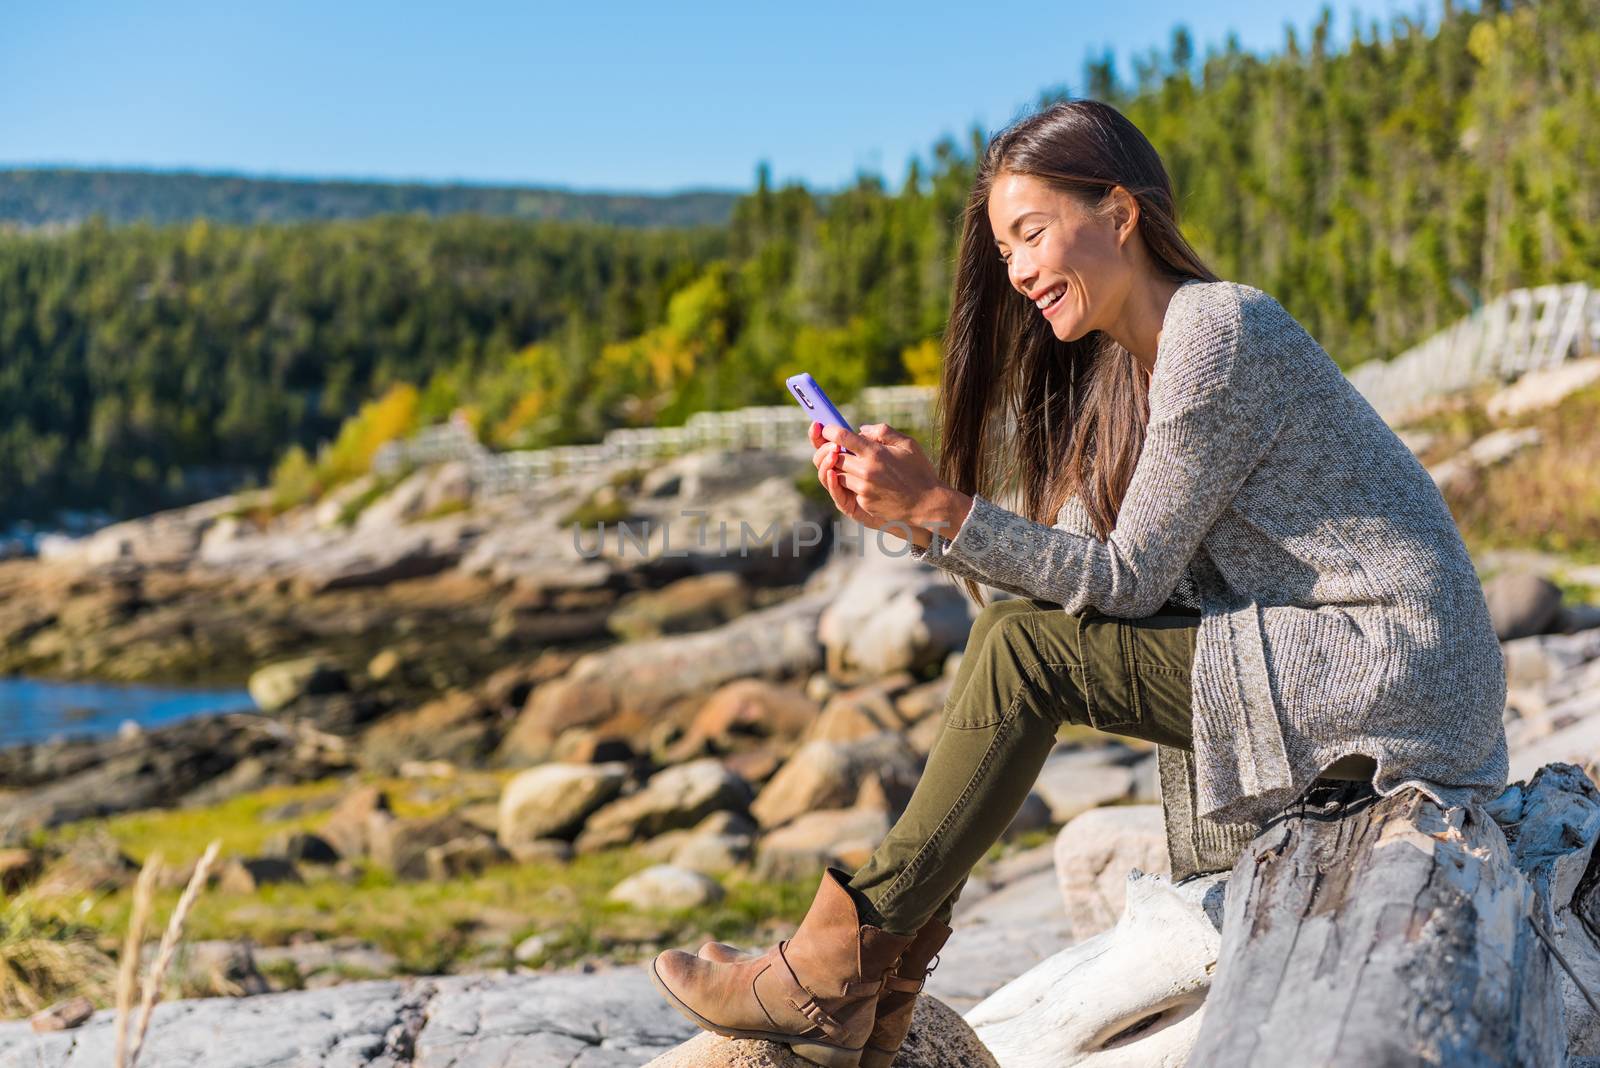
(1522, 331)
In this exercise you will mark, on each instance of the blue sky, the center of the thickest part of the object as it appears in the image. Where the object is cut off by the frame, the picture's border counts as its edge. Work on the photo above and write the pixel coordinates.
(642, 97)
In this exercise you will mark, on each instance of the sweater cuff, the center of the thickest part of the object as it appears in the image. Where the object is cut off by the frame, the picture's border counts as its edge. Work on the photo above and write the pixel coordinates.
(939, 546)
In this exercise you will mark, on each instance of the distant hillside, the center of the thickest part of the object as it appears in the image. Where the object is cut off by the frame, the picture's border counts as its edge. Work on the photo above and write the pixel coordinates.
(35, 197)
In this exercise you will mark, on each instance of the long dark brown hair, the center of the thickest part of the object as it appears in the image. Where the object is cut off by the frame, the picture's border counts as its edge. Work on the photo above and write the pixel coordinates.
(1019, 408)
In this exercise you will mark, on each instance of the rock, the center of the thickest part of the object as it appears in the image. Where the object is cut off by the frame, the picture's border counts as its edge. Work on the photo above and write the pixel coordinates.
(247, 875)
(584, 745)
(462, 857)
(1075, 780)
(302, 847)
(533, 949)
(331, 507)
(675, 797)
(718, 843)
(607, 1018)
(894, 613)
(752, 708)
(400, 504)
(553, 800)
(939, 1038)
(642, 679)
(541, 850)
(351, 825)
(402, 846)
(1034, 815)
(18, 868)
(277, 686)
(342, 957)
(216, 968)
(1493, 448)
(1095, 852)
(1521, 605)
(90, 864)
(459, 727)
(63, 1015)
(693, 603)
(824, 774)
(450, 487)
(754, 766)
(861, 711)
(1544, 388)
(1001, 933)
(806, 845)
(385, 665)
(667, 886)
(713, 853)
(925, 700)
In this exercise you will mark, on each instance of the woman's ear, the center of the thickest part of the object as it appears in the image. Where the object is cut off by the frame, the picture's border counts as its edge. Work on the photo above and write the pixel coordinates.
(1124, 213)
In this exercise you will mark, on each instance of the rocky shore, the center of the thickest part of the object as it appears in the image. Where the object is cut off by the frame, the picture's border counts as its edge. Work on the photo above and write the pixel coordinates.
(456, 688)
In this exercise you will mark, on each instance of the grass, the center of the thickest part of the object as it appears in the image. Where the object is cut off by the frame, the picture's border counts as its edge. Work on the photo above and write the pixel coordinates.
(1545, 498)
(430, 927)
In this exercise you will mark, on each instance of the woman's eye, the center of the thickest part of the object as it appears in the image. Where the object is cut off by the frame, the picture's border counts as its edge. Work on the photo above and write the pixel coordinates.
(1035, 234)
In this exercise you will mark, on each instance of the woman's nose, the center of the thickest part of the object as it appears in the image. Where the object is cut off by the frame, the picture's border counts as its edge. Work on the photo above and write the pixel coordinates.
(1022, 273)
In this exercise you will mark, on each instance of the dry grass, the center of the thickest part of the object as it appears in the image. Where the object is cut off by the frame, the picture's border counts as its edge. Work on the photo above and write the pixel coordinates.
(45, 957)
(130, 1032)
(1545, 498)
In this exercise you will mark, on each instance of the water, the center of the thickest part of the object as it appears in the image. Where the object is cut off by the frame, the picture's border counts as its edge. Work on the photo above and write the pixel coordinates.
(33, 710)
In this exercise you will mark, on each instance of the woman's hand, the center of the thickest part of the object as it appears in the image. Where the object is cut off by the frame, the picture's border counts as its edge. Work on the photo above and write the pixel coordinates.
(888, 481)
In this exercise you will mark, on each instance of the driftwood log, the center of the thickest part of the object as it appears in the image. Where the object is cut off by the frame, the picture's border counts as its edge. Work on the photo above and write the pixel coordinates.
(1389, 931)
(1358, 931)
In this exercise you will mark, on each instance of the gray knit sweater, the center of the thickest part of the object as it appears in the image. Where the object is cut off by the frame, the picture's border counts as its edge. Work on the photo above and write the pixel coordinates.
(1340, 612)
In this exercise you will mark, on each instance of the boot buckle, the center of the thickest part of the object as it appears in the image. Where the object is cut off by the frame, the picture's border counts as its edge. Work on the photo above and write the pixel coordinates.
(817, 1015)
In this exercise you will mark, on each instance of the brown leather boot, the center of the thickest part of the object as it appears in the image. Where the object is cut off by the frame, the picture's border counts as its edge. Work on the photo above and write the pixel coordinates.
(892, 1021)
(816, 992)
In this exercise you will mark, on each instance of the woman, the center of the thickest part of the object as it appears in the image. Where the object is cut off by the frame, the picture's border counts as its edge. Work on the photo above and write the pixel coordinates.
(1246, 564)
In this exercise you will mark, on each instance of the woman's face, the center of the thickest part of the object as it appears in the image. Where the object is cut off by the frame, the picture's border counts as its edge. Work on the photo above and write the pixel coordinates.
(1052, 243)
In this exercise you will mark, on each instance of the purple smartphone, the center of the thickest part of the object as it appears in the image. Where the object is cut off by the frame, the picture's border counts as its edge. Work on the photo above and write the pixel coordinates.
(809, 396)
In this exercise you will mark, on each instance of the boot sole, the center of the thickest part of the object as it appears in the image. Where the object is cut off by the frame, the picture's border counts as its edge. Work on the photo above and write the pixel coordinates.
(818, 1053)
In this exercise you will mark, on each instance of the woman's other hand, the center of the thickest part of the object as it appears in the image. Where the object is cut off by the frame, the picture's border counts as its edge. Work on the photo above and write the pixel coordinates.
(888, 480)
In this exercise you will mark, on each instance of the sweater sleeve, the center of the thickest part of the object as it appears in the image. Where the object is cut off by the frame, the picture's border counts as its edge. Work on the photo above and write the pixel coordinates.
(1214, 414)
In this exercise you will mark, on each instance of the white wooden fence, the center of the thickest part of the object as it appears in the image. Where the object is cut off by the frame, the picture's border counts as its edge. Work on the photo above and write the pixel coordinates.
(763, 427)
(1522, 331)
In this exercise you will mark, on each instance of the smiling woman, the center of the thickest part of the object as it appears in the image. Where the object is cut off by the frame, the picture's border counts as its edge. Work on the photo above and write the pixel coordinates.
(1246, 567)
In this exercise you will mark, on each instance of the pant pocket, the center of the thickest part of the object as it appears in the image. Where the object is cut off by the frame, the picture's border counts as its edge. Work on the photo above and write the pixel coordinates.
(1138, 677)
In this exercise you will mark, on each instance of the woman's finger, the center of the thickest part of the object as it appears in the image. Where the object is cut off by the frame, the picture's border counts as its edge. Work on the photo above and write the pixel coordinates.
(848, 439)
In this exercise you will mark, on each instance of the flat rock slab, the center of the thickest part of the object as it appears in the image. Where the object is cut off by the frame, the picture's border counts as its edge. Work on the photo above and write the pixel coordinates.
(999, 937)
(609, 1018)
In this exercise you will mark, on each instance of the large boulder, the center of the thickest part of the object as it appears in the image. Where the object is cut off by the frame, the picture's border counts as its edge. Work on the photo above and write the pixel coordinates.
(825, 774)
(1074, 780)
(750, 709)
(1521, 605)
(804, 846)
(277, 686)
(667, 886)
(641, 679)
(1095, 852)
(676, 797)
(894, 613)
(939, 1038)
(553, 800)
(694, 603)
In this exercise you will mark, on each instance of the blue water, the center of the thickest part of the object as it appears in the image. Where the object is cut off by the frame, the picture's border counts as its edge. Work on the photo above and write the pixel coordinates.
(33, 710)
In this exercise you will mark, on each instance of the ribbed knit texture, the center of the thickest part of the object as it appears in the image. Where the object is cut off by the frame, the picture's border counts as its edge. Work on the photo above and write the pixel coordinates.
(1340, 612)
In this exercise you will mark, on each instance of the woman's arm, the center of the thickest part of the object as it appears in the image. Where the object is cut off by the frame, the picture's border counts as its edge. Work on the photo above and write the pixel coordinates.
(1213, 419)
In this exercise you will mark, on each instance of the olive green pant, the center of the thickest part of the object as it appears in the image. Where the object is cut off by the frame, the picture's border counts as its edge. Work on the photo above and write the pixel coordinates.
(1029, 667)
